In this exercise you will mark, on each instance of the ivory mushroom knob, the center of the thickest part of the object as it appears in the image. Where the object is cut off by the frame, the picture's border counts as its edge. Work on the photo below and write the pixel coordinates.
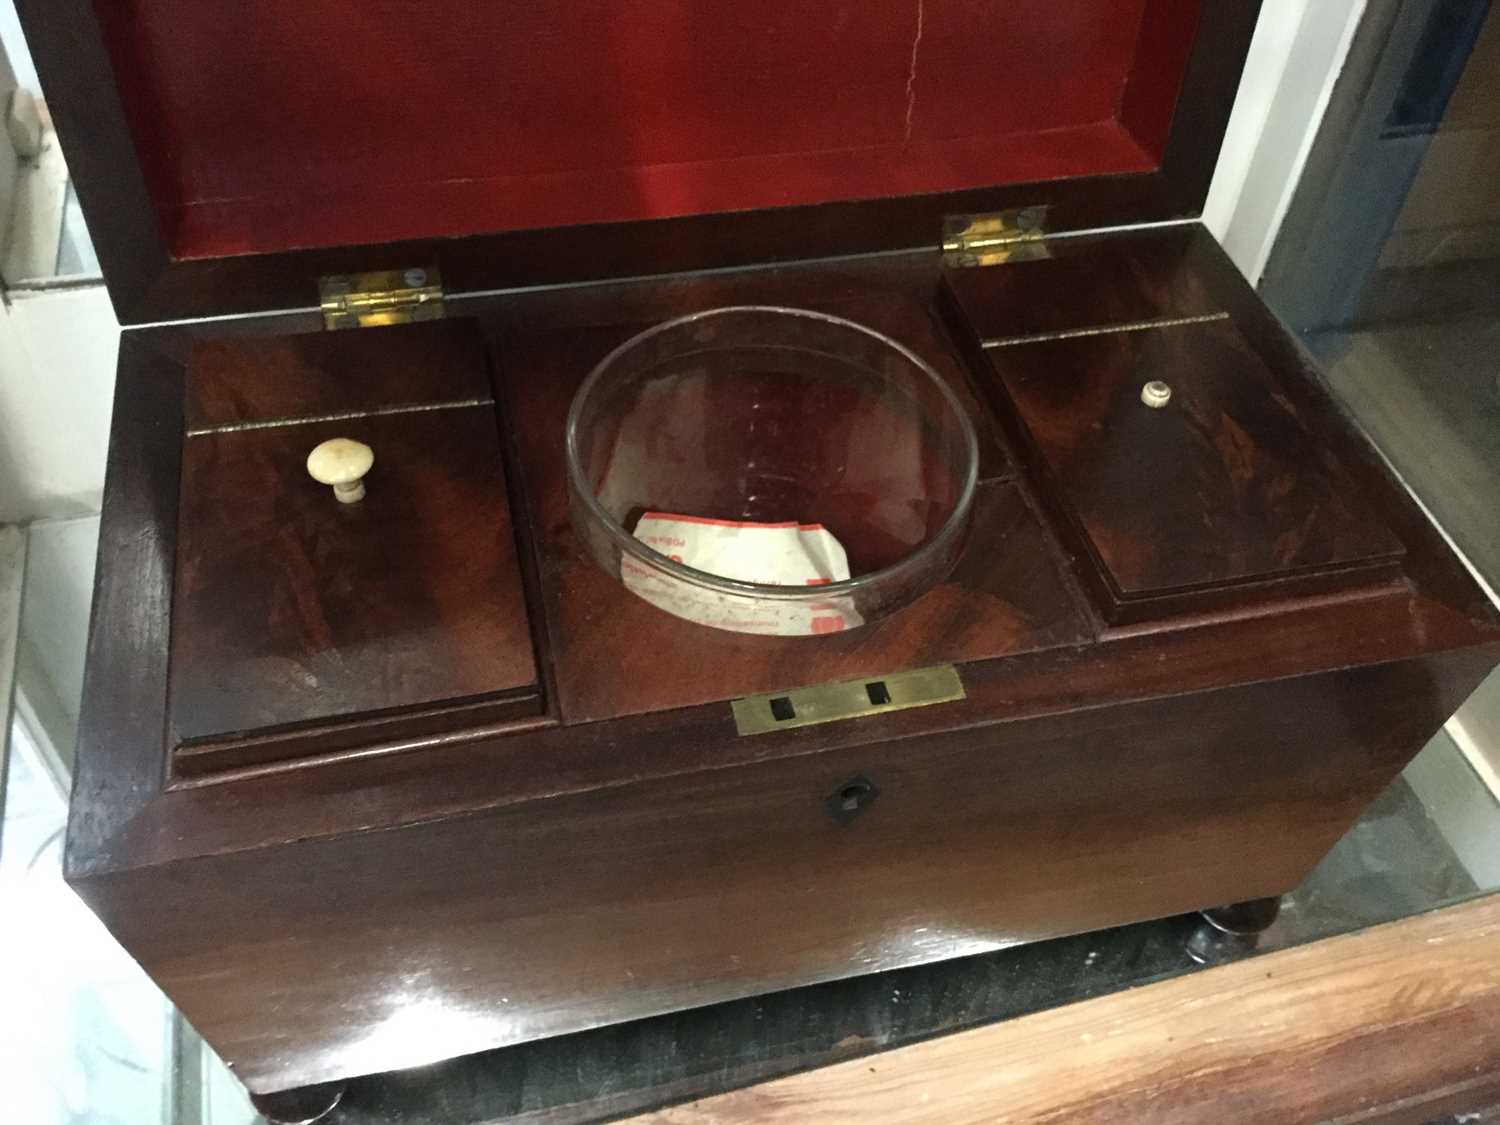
(1156, 394)
(342, 463)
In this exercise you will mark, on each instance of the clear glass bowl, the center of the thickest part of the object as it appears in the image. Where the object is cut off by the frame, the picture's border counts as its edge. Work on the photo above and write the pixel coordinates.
(788, 421)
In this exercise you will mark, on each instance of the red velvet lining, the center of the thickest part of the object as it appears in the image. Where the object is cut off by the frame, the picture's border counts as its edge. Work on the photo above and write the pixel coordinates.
(288, 123)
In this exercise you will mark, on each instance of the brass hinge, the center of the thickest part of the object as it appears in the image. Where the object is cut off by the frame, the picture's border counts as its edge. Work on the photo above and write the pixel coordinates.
(991, 240)
(368, 300)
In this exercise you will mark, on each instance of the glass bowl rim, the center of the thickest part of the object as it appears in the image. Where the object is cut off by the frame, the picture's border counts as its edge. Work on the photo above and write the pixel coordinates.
(954, 525)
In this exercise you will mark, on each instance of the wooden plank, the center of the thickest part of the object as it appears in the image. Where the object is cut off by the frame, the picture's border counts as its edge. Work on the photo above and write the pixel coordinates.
(1385, 1025)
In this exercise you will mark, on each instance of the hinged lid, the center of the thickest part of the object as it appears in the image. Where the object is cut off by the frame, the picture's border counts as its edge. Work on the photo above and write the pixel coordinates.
(304, 620)
(1186, 472)
(1190, 477)
(228, 156)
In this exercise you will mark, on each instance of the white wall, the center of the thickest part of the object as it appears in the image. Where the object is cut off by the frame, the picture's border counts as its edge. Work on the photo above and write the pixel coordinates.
(57, 371)
(1298, 53)
(14, 44)
(60, 556)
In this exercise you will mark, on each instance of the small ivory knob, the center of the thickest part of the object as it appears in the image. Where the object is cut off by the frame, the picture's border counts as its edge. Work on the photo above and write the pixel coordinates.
(1156, 394)
(342, 463)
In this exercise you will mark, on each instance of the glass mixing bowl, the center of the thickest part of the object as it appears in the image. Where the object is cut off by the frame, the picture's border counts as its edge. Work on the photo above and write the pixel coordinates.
(726, 465)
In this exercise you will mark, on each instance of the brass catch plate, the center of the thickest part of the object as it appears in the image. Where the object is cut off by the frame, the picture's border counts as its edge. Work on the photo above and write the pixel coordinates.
(851, 699)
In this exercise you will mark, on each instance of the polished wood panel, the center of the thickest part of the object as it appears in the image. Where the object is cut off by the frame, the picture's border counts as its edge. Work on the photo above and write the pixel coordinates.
(233, 757)
(416, 781)
(644, 1064)
(120, 182)
(1224, 485)
(1088, 282)
(369, 951)
(1400, 1023)
(1004, 597)
(909, 318)
(234, 380)
(1305, 386)
(118, 764)
(290, 606)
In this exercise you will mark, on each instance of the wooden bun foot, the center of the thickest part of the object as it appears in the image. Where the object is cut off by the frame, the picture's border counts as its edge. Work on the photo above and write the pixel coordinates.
(1224, 933)
(302, 1106)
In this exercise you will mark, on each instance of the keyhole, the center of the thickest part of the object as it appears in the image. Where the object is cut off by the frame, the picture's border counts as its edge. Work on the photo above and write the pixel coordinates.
(851, 798)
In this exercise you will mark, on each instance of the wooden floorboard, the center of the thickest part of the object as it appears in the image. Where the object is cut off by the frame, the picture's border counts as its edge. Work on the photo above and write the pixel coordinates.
(1400, 1023)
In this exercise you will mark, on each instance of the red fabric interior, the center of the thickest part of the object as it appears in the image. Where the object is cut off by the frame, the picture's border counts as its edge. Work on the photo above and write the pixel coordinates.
(289, 123)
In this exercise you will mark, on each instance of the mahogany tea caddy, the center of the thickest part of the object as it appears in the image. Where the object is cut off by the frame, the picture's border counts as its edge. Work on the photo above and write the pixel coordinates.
(366, 785)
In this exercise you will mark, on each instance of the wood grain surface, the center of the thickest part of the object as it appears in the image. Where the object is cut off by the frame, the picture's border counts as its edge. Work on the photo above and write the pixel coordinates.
(1088, 282)
(235, 380)
(1400, 1023)
(291, 606)
(1225, 485)
(1006, 594)
(400, 947)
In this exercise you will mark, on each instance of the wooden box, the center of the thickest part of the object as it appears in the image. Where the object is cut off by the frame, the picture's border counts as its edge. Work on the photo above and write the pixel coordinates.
(365, 786)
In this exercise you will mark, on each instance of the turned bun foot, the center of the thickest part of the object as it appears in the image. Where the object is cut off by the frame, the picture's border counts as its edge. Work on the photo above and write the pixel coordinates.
(301, 1106)
(1224, 933)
